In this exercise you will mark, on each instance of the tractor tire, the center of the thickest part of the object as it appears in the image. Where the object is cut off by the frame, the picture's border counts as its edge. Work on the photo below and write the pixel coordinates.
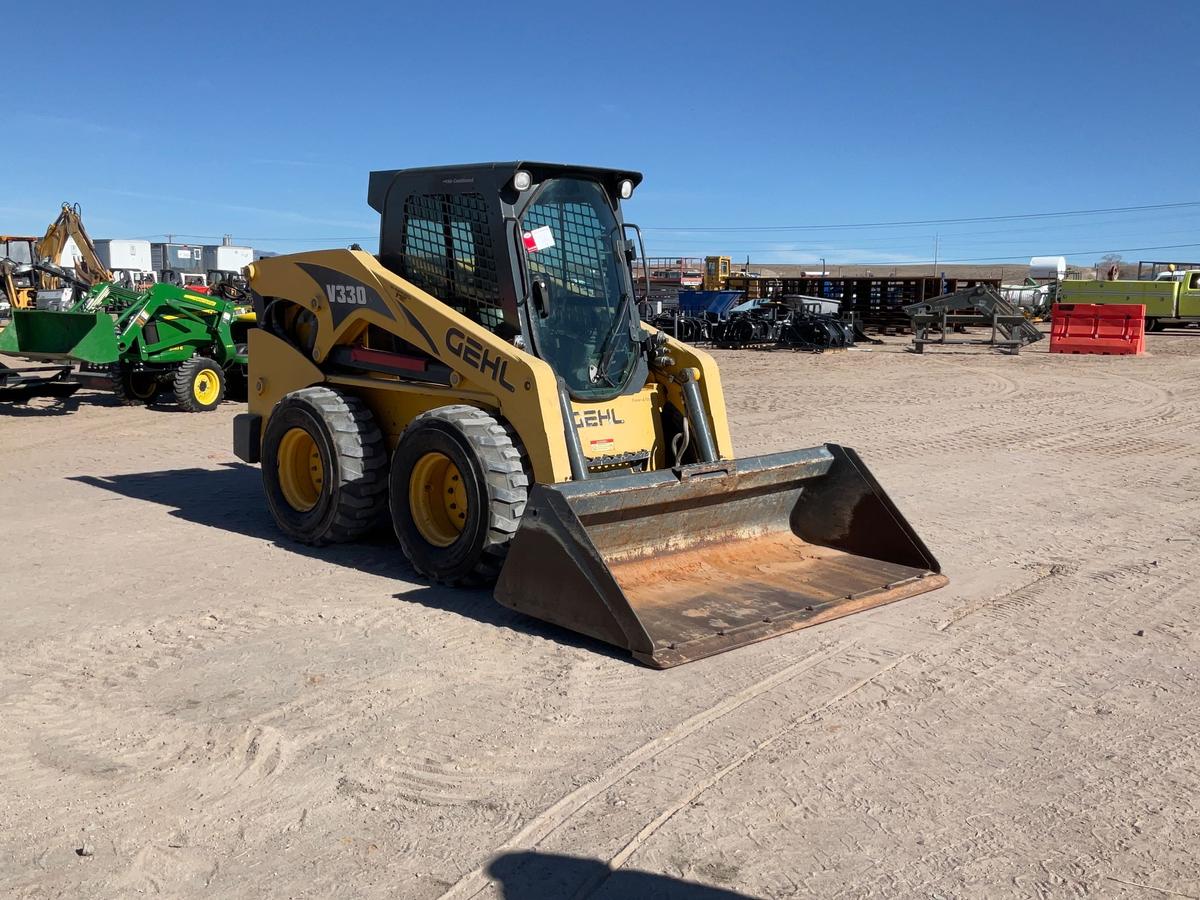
(324, 467)
(237, 385)
(199, 384)
(134, 388)
(457, 488)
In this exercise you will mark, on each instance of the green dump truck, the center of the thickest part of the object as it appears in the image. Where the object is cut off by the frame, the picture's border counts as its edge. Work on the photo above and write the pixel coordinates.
(1172, 299)
(143, 344)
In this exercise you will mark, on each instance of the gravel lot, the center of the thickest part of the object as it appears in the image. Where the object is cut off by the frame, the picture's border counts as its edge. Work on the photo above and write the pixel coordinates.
(192, 706)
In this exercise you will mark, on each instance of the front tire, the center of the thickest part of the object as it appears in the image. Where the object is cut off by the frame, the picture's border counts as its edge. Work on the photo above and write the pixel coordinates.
(133, 388)
(199, 384)
(324, 466)
(457, 490)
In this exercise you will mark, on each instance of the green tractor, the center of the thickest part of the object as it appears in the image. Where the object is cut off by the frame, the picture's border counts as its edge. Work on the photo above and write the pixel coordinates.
(143, 344)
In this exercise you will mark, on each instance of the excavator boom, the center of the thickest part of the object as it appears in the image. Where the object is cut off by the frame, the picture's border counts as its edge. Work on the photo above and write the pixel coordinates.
(69, 225)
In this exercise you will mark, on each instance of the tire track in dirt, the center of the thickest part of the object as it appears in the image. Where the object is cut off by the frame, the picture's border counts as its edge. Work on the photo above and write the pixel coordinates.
(986, 672)
(632, 846)
(557, 815)
(698, 779)
(980, 432)
(92, 721)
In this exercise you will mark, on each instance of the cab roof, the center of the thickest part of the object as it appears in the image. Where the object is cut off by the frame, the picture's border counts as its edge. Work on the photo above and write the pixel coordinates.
(488, 178)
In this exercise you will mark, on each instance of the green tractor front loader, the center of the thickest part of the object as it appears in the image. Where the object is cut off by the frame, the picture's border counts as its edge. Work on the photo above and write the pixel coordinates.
(143, 343)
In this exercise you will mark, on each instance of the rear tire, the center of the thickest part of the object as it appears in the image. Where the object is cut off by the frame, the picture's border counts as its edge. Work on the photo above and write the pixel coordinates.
(199, 384)
(457, 490)
(324, 466)
(1153, 325)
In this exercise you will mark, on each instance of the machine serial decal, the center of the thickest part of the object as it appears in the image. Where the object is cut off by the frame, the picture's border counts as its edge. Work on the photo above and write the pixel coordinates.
(346, 295)
(474, 354)
(353, 294)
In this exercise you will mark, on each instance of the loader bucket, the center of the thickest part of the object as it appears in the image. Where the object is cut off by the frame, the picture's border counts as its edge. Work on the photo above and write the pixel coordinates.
(52, 335)
(676, 565)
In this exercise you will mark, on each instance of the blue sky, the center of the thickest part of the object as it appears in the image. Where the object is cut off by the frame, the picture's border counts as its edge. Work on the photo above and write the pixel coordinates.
(263, 119)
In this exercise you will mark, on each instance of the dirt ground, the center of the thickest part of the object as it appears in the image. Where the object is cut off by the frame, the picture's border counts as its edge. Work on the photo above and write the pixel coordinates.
(192, 706)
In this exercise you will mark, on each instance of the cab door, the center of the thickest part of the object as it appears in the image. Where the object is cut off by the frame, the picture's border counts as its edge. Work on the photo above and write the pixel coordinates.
(1189, 295)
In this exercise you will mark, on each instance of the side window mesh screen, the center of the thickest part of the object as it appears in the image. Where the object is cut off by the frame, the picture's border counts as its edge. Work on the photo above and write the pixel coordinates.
(448, 252)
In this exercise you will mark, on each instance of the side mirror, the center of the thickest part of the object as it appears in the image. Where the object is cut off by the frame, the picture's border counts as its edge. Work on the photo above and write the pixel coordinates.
(541, 295)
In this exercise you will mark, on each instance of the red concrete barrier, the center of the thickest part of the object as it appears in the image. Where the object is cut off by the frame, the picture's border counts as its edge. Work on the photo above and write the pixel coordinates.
(1114, 328)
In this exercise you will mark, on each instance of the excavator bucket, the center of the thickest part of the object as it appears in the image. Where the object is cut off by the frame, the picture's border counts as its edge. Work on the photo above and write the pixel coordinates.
(676, 565)
(51, 335)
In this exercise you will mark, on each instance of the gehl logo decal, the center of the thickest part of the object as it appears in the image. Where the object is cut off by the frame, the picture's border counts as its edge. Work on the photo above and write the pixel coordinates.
(479, 357)
(350, 294)
(593, 418)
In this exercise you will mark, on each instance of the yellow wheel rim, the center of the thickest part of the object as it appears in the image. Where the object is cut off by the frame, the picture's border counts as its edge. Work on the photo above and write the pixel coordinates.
(142, 387)
(437, 500)
(206, 386)
(301, 473)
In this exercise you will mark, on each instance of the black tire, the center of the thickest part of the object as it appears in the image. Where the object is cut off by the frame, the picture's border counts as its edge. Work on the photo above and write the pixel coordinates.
(134, 388)
(489, 458)
(1153, 325)
(199, 384)
(237, 384)
(352, 497)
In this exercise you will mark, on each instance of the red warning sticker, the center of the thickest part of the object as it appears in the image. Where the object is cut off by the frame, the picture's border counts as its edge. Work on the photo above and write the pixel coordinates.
(538, 239)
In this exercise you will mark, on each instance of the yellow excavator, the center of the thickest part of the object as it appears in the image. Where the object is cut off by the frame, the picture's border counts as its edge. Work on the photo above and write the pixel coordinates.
(31, 265)
(18, 281)
(484, 384)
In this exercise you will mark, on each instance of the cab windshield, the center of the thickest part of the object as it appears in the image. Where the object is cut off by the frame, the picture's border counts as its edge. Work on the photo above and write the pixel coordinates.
(574, 246)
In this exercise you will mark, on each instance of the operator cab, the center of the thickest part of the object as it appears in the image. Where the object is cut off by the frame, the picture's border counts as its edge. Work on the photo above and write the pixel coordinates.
(535, 252)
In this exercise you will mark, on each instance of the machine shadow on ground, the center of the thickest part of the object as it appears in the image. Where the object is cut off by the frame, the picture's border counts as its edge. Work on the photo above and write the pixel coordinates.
(529, 875)
(43, 407)
(231, 498)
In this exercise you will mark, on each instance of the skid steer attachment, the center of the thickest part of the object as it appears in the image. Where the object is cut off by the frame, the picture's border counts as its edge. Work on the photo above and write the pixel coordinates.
(679, 565)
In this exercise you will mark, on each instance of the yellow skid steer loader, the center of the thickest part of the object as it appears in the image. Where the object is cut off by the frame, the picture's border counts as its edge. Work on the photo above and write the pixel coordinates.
(485, 383)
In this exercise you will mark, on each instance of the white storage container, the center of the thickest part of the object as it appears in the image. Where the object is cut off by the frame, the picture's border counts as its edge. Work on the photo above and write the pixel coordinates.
(226, 258)
(130, 255)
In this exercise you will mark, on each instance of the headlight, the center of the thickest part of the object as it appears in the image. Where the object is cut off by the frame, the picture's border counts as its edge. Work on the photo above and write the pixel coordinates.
(522, 181)
(626, 188)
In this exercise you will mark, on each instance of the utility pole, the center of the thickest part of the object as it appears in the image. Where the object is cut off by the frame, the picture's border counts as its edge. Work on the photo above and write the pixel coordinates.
(822, 267)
